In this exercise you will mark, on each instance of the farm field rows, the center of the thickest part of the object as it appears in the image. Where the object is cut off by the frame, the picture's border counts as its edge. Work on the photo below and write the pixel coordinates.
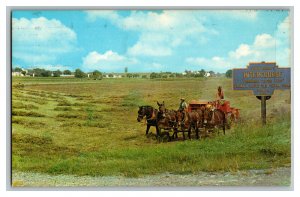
(89, 128)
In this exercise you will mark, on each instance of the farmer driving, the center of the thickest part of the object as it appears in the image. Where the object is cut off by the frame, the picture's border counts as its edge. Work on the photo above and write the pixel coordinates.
(220, 96)
(182, 105)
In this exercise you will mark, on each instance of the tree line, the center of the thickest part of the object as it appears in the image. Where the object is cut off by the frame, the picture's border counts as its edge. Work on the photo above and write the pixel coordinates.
(40, 72)
(78, 73)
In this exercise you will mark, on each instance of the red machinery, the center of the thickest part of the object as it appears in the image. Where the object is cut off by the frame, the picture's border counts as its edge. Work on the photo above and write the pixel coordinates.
(222, 105)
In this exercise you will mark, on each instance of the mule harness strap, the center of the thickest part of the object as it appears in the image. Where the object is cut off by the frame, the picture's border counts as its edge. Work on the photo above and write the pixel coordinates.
(152, 116)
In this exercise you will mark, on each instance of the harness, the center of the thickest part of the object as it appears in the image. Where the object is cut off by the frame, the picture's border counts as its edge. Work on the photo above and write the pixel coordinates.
(152, 116)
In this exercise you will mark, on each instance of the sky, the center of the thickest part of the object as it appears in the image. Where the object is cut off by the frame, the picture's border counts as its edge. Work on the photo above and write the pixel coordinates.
(149, 40)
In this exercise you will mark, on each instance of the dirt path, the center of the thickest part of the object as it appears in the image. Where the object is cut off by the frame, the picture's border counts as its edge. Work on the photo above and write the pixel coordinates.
(274, 177)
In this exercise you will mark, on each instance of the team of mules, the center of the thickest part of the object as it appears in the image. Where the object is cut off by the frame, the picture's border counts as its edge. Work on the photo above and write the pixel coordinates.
(176, 121)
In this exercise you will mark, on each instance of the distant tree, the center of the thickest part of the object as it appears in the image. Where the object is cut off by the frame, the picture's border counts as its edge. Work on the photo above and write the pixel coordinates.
(144, 76)
(79, 73)
(171, 75)
(129, 75)
(228, 73)
(45, 73)
(198, 75)
(110, 75)
(135, 75)
(212, 73)
(57, 73)
(97, 75)
(17, 69)
(178, 75)
(67, 72)
(152, 75)
(202, 72)
(38, 72)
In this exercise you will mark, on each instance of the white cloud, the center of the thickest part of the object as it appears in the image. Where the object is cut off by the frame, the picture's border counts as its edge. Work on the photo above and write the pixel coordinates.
(150, 46)
(161, 32)
(108, 61)
(208, 64)
(265, 47)
(40, 40)
(242, 51)
(264, 41)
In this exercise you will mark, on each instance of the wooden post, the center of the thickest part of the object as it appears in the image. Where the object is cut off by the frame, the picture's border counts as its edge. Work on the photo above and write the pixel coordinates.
(263, 109)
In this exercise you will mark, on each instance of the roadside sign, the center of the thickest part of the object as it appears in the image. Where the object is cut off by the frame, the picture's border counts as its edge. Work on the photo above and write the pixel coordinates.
(263, 78)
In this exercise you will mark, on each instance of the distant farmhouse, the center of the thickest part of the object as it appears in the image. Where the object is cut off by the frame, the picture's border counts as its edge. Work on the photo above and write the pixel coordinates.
(17, 74)
(112, 75)
(20, 73)
(67, 76)
(207, 74)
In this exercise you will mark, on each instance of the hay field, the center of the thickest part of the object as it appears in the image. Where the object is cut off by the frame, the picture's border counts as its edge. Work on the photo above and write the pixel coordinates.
(88, 128)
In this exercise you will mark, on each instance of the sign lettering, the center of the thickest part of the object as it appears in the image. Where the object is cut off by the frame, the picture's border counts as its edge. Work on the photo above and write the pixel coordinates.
(263, 78)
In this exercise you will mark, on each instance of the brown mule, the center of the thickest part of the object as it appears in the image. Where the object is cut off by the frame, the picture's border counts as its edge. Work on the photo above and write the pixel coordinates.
(214, 118)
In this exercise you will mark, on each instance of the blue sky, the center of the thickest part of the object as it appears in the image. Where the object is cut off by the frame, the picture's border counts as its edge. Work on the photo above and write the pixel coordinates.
(149, 40)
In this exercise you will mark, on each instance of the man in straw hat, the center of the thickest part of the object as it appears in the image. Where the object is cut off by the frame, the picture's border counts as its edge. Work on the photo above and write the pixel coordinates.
(220, 96)
(182, 105)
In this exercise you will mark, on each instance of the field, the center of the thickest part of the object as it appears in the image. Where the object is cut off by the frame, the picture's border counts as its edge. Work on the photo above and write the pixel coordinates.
(86, 127)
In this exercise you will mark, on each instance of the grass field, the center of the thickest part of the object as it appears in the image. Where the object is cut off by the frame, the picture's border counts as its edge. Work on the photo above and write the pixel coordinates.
(89, 127)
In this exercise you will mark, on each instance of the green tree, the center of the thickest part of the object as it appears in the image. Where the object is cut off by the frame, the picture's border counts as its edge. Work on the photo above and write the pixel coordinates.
(79, 73)
(212, 73)
(67, 72)
(202, 72)
(153, 75)
(144, 76)
(136, 75)
(45, 73)
(179, 75)
(57, 73)
(228, 73)
(17, 69)
(97, 75)
(41, 72)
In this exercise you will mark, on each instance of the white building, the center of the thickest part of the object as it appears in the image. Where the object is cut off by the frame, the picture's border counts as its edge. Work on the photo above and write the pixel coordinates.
(207, 74)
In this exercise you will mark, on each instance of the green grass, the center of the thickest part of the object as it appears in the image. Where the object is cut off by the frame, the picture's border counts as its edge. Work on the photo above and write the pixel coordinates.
(268, 147)
(87, 127)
